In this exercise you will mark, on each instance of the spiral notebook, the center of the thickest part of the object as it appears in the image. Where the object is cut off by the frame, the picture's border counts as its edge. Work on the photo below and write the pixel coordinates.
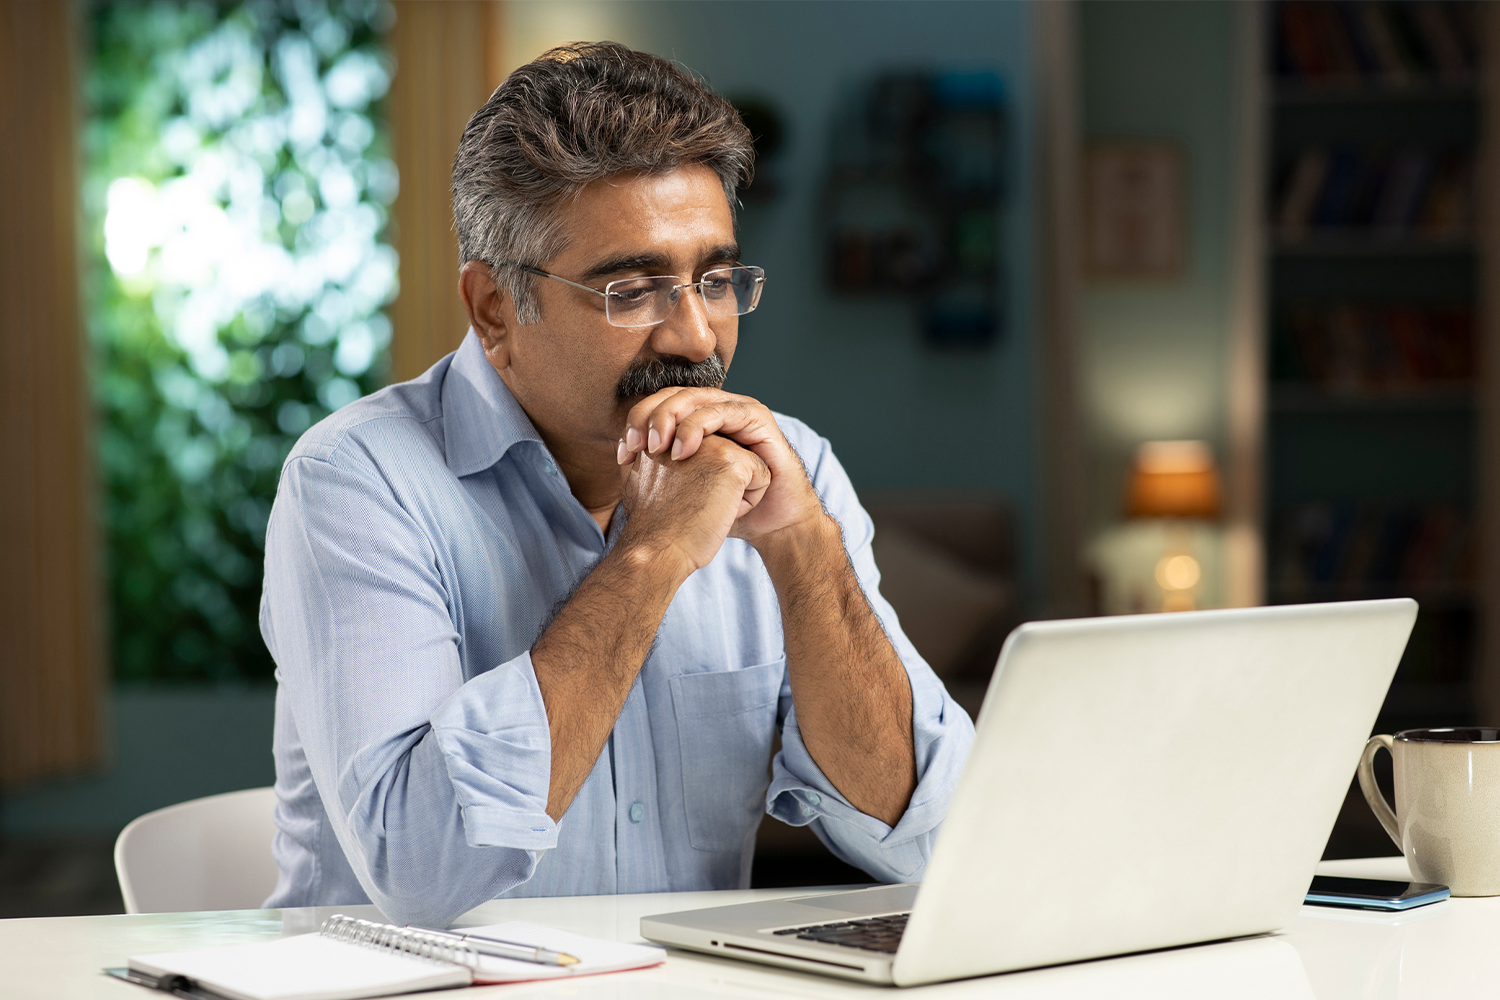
(351, 958)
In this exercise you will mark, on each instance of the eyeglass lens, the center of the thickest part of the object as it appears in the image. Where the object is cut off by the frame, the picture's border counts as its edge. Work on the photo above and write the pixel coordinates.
(730, 291)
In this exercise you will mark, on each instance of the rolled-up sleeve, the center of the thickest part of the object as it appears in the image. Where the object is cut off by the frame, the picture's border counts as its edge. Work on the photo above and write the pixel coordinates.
(799, 793)
(436, 787)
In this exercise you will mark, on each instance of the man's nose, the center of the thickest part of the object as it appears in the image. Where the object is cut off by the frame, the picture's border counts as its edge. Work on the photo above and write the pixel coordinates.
(686, 332)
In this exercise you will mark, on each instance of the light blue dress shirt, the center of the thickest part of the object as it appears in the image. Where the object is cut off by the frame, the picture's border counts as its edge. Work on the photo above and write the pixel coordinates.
(421, 540)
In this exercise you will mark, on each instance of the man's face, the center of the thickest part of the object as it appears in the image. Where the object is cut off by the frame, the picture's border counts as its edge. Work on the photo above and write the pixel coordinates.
(567, 369)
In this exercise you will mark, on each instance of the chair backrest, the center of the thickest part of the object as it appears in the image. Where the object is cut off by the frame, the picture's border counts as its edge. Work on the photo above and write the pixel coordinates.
(212, 853)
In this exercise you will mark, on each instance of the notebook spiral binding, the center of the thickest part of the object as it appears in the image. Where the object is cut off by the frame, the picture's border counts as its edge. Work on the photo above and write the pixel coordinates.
(407, 940)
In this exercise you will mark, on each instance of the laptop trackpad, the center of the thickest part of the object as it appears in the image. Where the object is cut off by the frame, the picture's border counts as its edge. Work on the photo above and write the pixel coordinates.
(881, 899)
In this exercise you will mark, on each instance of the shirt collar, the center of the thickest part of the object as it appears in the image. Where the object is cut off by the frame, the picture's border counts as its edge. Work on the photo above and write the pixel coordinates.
(481, 419)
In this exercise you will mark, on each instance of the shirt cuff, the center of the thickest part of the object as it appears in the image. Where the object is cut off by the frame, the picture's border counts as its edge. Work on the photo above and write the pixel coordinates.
(497, 748)
(801, 794)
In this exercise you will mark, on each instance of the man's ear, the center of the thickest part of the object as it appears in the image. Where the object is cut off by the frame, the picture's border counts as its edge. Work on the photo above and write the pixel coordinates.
(490, 313)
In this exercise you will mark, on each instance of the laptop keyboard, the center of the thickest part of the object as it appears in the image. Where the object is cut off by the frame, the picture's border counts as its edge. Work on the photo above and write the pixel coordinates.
(869, 934)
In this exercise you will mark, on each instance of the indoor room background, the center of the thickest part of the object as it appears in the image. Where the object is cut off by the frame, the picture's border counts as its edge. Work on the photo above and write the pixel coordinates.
(1107, 306)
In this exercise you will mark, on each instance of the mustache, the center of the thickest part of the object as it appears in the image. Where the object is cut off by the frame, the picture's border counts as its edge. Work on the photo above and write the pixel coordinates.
(651, 375)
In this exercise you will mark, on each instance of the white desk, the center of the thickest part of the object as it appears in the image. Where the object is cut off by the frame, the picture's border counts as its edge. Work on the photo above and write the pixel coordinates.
(1449, 950)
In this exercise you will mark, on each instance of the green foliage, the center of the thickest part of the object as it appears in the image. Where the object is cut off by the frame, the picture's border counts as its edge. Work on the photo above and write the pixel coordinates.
(236, 188)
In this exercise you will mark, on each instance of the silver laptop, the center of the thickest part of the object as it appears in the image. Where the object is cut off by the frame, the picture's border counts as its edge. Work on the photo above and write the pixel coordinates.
(1135, 783)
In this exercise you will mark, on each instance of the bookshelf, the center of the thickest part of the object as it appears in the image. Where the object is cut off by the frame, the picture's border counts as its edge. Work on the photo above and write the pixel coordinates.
(1374, 443)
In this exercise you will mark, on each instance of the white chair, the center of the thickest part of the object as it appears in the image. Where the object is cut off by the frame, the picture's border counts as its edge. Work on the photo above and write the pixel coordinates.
(212, 853)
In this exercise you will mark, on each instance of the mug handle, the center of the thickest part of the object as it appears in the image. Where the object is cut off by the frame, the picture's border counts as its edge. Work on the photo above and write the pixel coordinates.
(1378, 804)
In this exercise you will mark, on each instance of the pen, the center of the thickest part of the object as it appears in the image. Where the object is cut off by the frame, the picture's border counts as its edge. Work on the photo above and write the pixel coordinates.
(496, 948)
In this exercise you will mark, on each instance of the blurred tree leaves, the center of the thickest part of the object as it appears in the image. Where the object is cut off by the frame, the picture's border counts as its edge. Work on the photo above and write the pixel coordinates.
(236, 189)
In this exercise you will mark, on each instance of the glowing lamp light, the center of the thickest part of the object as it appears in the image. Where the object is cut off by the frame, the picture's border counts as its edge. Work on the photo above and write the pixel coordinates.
(1175, 479)
(1178, 572)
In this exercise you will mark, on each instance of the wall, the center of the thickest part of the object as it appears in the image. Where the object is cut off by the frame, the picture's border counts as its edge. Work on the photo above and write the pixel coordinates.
(1154, 354)
(898, 414)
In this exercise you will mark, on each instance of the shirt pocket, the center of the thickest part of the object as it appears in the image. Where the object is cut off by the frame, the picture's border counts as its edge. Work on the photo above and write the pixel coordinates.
(725, 722)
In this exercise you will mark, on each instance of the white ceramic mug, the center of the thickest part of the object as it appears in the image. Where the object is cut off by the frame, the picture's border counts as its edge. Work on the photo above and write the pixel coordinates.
(1447, 815)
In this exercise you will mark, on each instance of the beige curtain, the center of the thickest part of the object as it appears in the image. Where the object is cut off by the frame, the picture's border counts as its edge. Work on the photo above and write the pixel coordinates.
(51, 602)
(447, 64)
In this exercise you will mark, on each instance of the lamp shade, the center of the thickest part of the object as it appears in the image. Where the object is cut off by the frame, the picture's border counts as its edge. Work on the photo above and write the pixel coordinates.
(1173, 479)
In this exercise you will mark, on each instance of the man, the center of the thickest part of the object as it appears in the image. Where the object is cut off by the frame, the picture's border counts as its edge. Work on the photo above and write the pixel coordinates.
(538, 614)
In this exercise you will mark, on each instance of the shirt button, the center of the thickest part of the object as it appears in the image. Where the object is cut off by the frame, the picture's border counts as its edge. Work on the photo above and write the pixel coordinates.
(551, 469)
(814, 799)
(637, 812)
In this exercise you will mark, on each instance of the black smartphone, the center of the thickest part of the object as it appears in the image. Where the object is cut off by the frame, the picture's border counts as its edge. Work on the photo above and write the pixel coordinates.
(1373, 893)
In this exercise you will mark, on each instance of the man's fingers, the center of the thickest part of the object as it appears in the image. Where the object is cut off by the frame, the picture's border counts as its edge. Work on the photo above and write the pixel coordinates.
(760, 481)
(651, 425)
(661, 425)
(754, 474)
(676, 425)
(634, 438)
(728, 466)
(751, 500)
(640, 414)
(727, 418)
(760, 475)
(633, 441)
(755, 491)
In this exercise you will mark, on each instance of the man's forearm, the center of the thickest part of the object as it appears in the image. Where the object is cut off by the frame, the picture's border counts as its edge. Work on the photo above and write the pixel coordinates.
(851, 692)
(589, 657)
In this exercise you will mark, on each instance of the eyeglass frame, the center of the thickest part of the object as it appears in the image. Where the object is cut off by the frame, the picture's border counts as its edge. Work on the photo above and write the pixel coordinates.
(605, 294)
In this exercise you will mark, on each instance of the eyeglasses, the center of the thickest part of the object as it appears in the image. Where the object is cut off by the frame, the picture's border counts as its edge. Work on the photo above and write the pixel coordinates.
(726, 291)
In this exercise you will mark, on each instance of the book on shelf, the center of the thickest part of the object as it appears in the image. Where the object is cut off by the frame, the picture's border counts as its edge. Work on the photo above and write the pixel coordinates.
(1327, 551)
(1411, 192)
(1374, 44)
(1376, 348)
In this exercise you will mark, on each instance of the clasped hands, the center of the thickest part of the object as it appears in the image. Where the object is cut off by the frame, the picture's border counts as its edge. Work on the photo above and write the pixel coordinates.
(707, 465)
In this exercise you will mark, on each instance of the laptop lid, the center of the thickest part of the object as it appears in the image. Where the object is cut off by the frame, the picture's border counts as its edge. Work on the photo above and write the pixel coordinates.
(1148, 781)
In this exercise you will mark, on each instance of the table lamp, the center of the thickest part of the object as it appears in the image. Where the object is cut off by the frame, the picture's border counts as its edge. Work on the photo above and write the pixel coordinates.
(1176, 480)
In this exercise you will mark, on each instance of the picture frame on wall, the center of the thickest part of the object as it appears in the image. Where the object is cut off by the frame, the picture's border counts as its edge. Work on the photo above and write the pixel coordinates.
(1135, 212)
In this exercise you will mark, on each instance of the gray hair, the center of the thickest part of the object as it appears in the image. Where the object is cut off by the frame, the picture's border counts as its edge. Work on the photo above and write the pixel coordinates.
(577, 114)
